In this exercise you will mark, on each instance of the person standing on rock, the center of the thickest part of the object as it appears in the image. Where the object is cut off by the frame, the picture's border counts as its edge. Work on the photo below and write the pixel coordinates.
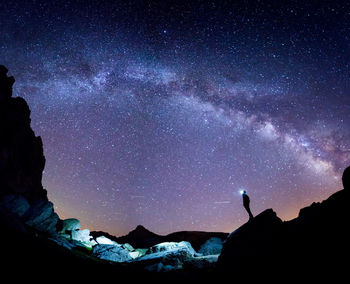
(246, 204)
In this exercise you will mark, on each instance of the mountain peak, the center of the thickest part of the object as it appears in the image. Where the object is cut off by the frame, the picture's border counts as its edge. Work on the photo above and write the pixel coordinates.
(141, 231)
(140, 228)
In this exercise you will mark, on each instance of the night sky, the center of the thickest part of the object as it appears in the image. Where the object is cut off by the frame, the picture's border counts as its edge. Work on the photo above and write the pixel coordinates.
(158, 114)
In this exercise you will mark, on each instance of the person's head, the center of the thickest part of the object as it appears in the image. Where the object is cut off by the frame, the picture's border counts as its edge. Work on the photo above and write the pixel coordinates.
(243, 192)
(346, 178)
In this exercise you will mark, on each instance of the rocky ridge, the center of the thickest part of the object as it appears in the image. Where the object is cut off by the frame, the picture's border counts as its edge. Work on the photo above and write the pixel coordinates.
(313, 244)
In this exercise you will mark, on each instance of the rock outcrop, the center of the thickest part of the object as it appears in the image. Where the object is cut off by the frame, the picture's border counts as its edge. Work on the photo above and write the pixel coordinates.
(111, 252)
(66, 226)
(22, 163)
(249, 245)
(22, 160)
(167, 256)
(213, 246)
(314, 243)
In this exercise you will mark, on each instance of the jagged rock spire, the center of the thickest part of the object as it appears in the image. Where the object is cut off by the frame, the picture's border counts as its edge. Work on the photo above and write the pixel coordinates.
(22, 159)
(6, 83)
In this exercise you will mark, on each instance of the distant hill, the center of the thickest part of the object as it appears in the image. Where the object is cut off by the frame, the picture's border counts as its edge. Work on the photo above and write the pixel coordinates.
(140, 237)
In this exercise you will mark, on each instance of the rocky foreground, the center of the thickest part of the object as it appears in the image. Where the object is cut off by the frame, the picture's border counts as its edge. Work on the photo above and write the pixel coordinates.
(31, 229)
(36, 243)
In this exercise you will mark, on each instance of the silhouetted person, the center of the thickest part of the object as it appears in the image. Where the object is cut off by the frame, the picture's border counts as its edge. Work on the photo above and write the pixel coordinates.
(246, 203)
(5, 83)
(346, 178)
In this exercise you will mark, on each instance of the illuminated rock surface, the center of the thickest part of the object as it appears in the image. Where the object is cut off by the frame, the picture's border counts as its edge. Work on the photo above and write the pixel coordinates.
(213, 246)
(111, 252)
(69, 225)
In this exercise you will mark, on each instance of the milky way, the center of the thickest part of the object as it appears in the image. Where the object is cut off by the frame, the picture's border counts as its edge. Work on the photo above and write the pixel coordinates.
(158, 114)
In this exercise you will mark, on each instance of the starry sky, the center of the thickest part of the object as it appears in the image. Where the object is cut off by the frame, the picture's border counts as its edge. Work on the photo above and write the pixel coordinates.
(158, 113)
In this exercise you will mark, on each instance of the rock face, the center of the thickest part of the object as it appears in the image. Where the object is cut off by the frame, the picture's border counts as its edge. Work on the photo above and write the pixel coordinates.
(319, 237)
(213, 246)
(22, 162)
(111, 252)
(175, 256)
(42, 217)
(167, 256)
(81, 235)
(66, 226)
(314, 243)
(250, 244)
(102, 240)
(171, 247)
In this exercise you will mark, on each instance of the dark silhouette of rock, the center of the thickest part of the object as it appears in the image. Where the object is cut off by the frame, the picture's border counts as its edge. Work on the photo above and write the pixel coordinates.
(213, 246)
(22, 162)
(140, 237)
(249, 245)
(21, 153)
(5, 83)
(42, 217)
(314, 244)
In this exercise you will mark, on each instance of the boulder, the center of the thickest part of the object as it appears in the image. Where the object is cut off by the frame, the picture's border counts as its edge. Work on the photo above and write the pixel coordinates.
(136, 254)
(139, 252)
(253, 244)
(111, 252)
(102, 240)
(41, 216)
(69, 225)
(213, 246)
(128, 247)
(81, 236)
(169, 254)
(168, 247)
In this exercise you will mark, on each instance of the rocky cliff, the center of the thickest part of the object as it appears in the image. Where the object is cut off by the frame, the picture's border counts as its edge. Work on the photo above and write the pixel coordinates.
(21, 163)
(316, 243)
